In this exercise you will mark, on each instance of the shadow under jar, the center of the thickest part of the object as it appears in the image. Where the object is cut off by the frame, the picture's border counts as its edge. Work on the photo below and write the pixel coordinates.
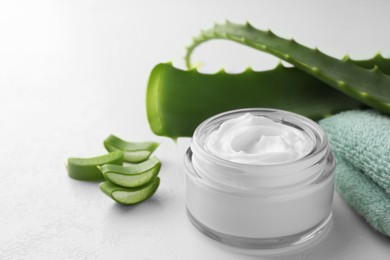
(265, 201)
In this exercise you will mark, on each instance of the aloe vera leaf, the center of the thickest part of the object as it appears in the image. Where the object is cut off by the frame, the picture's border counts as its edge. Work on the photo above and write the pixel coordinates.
(369, 86)
(178, 101)
(134, 152)
(131, 176)
(129, 196)
(377, 61)
(86, 168)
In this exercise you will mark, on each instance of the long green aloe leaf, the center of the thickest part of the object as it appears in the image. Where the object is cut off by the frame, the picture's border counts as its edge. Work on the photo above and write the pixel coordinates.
(377, 61)
(178, 101)
(369, 86)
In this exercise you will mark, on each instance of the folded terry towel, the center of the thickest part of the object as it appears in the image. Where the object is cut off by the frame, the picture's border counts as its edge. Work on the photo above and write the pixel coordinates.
(360, 141)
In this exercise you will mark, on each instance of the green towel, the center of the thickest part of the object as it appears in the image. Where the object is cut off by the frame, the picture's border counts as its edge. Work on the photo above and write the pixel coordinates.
(360, 141)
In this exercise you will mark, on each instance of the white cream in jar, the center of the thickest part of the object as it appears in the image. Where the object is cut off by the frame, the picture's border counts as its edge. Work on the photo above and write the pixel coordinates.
(258, 140)
(259, 179)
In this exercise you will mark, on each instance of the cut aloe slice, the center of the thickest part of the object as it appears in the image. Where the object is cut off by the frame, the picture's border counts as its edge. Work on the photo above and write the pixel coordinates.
(129, 196)
(85, 168)
(134, 152)
(131, 176)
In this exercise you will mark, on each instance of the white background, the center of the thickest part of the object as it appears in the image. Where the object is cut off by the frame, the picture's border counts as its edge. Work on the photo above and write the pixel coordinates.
(73, 72)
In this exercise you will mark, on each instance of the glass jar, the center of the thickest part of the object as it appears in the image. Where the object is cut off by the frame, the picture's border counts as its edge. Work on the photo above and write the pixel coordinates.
(266, 206)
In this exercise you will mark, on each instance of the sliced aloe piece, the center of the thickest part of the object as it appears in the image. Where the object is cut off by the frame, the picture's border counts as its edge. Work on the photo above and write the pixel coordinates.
(134, 152)
(85, 168)
(129, 196)
(131, 176)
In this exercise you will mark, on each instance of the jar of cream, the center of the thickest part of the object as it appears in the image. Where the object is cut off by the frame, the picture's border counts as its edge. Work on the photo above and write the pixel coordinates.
(259, 179)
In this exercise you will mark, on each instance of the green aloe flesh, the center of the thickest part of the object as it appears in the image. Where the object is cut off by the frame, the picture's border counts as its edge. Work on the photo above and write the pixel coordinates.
(134, 152)
(86, 168)
(131, 176)
(370, 86)
(130, 196)
(178, 101)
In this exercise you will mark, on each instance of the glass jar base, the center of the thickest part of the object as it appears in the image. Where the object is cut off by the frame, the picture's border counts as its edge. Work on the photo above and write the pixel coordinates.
(273, 245)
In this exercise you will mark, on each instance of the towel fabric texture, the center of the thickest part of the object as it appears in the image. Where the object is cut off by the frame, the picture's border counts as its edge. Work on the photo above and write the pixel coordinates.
(360, 141)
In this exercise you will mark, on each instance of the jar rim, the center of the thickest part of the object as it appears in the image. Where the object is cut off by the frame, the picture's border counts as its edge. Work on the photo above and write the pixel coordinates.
(318, 136)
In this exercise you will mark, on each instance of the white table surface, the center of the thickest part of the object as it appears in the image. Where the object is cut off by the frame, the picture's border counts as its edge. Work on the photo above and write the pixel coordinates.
(73, 72)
